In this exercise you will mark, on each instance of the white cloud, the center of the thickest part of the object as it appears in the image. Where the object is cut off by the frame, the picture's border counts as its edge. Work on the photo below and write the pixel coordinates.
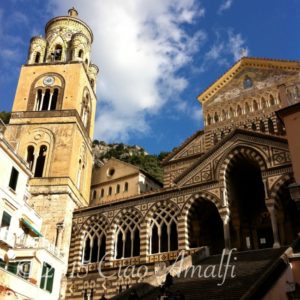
(226, 4)
(228, 44)
(139, 46)
(237, 46)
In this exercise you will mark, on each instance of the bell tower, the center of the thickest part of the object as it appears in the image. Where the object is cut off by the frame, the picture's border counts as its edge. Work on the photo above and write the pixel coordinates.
(52, 122)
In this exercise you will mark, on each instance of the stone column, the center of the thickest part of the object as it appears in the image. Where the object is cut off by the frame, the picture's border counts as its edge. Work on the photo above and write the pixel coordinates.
(59, 231)
(110, 243)
(42, 102)
(272, 211)
(50, 101)
(145, 243)
(183, 239)
(225, 213)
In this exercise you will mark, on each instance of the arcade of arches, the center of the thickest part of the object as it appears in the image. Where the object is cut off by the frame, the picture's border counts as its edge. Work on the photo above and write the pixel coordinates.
(252, 221)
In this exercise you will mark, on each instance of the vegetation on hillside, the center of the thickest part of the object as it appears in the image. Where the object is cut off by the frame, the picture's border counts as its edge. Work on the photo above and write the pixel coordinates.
(5, 116)
(131, 154)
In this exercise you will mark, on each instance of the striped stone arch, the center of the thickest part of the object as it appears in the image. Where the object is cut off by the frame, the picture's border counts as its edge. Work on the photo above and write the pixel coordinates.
(127, 221)
(165, 203)
(183, 235)
(123, 212)
(96, 219)
(162, 214)
(237, 152)
(205, 195)
(279, 183)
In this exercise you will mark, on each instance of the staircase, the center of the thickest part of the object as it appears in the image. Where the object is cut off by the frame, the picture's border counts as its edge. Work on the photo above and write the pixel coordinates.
(254, 273)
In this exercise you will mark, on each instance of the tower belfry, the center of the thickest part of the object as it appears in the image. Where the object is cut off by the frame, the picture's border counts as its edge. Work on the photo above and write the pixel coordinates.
(52, 122)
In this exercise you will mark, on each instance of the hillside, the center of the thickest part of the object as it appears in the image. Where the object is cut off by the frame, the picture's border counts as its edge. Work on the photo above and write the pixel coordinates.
(135, 155)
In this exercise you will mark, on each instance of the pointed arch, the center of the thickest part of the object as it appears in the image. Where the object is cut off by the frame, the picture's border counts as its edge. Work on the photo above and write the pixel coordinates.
(240, 150)
(126, 227)
(93, 239)
(162, 220)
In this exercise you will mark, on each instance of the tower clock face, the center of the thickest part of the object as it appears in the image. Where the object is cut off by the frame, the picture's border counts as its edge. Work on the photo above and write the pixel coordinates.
(49, 80)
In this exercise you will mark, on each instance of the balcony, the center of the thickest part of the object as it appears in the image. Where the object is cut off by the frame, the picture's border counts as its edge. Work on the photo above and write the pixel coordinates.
(28, 242)
(6, 237)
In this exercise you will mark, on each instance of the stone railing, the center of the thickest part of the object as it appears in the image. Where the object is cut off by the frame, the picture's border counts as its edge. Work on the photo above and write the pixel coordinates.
(38, 243)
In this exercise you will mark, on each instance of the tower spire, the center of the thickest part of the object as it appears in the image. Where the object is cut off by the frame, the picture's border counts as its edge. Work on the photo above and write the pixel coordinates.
(72, 12)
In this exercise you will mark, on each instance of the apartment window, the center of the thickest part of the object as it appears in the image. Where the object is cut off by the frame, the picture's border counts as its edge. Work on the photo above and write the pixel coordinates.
(6, 218)
(20, 268)
(13, 179)
(47, 278)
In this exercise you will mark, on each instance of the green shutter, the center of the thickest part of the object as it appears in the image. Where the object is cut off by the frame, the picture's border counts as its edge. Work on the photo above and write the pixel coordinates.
(50, 279)
(5, 222)
(13, 178)
(43, 278)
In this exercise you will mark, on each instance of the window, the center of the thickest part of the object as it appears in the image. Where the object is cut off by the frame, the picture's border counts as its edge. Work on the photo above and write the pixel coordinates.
(102, 193)
(13, 179)
(95, 242)
(58, 52)
(94, 194)
(30, 156)
(110, 191)
(46, 99)
(163, 230)
(47, 277)
(118, 189)
(6, 219)
(20, 268)
(126, 186)
(80, 53)
(248, 83)
(128, 235)
(37, 57)
(40, 162)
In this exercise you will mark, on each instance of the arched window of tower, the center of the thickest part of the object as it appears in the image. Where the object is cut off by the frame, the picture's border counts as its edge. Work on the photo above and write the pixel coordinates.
(253, 126)
(30, 156)
(46, 99)
(85, 110)
(40, 162)
(37, 57)
(57, 55)
(80, 53)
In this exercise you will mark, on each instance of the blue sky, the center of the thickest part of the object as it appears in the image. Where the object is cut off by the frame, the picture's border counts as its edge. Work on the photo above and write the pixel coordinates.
(155, 56)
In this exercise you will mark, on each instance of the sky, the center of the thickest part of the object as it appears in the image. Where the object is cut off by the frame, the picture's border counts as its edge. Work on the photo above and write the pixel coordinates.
(155, 56)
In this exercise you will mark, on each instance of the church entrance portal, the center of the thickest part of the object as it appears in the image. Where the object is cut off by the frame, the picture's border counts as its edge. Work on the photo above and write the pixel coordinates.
(250, 226)
(205, 226)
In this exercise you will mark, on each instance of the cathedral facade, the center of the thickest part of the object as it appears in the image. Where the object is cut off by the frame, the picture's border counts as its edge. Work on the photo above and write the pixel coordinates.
(225, 187)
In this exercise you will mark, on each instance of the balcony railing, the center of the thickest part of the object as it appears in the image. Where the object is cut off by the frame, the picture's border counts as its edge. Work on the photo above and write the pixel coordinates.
(38, 243)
